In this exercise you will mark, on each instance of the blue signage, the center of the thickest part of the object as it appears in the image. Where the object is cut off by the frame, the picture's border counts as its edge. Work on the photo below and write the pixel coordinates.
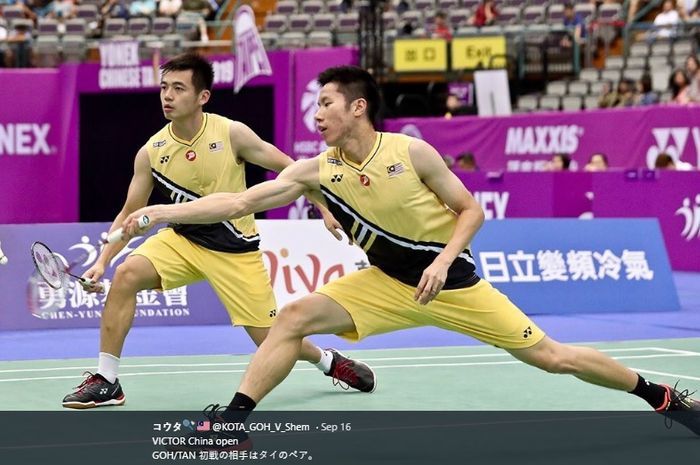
(551, 266)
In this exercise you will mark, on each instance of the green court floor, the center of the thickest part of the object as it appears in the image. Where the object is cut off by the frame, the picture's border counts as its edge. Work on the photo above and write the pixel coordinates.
(444, 378)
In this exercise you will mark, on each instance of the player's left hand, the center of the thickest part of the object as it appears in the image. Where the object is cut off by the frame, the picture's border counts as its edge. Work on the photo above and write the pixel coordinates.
(332, 225)
(131, 226)
(431, 282)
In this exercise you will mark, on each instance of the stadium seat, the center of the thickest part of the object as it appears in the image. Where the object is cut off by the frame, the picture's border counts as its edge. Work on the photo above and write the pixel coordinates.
(276, 23)
(299, 23)
(528, 102)
(590, 102)
(114, 27)
(458, 17)
(636, 62)
(550, 102)
(292, 40)
(48, 51)
(614, 62)
(533, 14)
(162, 26)
(73, 48)
(589, 74)
(323, 22)
(286, 7)
(138, 26)
(319, 39)
(578, 87)
(312, 7)
(557, 88)
(269, 40)
(639, 49)
(47, 27)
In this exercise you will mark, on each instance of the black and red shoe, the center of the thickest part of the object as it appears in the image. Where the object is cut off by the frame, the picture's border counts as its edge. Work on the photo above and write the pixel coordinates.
(349, 373)
(95, 391)
(219, 432)
(679, 406)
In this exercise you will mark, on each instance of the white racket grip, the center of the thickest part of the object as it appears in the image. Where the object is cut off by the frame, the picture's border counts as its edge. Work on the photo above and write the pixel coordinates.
(116, 235)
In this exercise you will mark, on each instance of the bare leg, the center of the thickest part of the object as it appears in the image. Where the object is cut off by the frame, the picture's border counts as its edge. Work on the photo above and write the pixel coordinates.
(134, 275)
(585, 363)
(309, 352)
(276, 356)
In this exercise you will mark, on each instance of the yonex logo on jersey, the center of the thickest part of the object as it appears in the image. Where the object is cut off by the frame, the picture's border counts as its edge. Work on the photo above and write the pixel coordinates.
(165, 158)
(191, 155)
(364, 180)
(395, 169)
(273, 313)
(336, 178)
(216, 146)
(160, 143)
(527, 333)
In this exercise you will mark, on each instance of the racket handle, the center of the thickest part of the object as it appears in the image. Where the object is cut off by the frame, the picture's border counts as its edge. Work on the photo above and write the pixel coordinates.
(117, 235)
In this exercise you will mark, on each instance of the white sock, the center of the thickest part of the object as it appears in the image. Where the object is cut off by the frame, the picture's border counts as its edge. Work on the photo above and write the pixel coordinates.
(326, 359)
(108, 366)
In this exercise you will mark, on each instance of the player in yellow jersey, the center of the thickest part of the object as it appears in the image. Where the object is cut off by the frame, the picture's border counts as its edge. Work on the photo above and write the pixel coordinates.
(397, 200)
(194, 155)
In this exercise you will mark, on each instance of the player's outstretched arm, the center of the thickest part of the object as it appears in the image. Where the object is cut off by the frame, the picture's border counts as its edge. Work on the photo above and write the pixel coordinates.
(451, 191)
(290, 184)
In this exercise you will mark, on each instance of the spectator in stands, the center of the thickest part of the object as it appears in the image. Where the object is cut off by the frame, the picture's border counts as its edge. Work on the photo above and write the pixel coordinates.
(622, 97)
(62, 9)
(440, 28)
(608, 97)
(664, 161)
(559, 162)
(449, 161)
(26, 7)
(678, 84)
(402, 7)
(467, 162)
(687, 8)
(346, 5)
(691, 65)
(198, 9)
(42, 8)
(485, 14)
(454, 106)
(169, 7)
(115, 9)
(645, 95)
(3, 47)
(142, 8)
(19, 39)
(575, 26)
(665, 22)
(597, 162)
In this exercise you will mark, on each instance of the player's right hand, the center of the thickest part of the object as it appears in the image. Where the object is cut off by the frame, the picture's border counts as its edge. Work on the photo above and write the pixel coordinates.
(91, 278)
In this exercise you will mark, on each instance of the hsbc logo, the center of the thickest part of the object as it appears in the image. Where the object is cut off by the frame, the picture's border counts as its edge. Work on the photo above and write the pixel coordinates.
(308, 104)
(543, 140)
(672, 141)
(25, 139)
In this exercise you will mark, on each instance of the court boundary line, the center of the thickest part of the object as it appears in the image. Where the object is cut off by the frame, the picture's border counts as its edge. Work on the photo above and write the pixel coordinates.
(673, 353)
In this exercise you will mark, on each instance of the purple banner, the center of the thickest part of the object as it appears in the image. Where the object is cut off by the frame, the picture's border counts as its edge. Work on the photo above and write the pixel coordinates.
(38, 163)
(631, 138)
(672, 197)
(306, 141)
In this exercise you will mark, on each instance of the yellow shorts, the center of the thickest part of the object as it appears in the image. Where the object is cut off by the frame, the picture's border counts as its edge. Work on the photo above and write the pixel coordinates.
(239, 279)
(379, 304)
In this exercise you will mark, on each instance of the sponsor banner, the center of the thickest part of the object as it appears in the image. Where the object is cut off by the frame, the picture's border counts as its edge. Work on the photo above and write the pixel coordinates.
(672, 197)
(478, 52)
(300, 256)
(38, 161)
(412, 55)
(306, 141)
(527, 142)
(570, 266)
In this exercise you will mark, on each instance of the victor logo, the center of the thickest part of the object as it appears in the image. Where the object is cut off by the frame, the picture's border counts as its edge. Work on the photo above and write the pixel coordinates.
(543, 140)
(691, 229)
(24, 139)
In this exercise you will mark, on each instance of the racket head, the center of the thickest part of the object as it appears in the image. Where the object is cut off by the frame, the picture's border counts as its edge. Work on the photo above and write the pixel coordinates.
(48, 265)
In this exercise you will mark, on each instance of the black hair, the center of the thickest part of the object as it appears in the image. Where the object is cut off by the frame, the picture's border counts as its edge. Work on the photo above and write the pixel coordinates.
(202, 71)
(354, 83)
(565, 160)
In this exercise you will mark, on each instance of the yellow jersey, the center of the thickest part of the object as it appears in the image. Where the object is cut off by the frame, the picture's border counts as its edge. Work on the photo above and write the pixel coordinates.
(185, 170)
(388, 211)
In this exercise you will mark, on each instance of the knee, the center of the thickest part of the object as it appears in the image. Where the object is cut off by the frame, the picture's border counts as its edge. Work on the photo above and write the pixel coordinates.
(293, 318)
(126, 278)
